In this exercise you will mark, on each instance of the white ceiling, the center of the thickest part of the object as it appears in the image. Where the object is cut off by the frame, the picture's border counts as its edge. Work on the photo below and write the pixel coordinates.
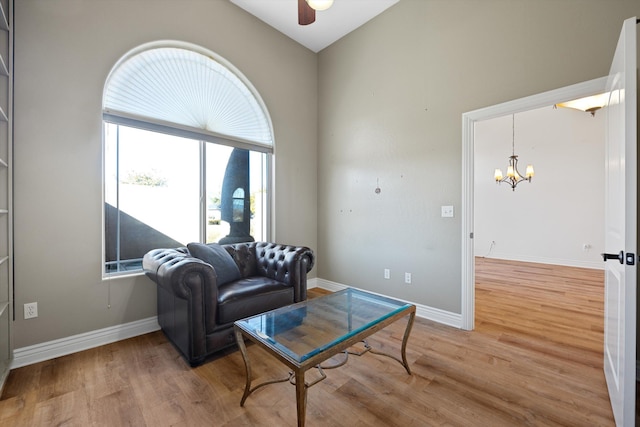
(331, 24)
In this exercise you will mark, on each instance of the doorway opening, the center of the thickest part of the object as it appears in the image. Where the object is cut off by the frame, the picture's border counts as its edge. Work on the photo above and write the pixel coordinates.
(469, 121)
(539, 279)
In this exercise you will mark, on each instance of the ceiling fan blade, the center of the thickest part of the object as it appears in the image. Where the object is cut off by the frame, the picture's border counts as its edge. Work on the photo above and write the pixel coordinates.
(306, 15)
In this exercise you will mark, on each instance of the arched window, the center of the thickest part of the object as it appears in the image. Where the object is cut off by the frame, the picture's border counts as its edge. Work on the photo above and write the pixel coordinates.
(180, 126)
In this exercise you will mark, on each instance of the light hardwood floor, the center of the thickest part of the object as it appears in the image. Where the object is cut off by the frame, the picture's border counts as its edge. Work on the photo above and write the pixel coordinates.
(535, 358)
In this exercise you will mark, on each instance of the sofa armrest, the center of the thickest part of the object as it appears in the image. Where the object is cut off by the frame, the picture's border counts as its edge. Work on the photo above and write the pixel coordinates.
(183, 277)
(287, 264)
(180, 273)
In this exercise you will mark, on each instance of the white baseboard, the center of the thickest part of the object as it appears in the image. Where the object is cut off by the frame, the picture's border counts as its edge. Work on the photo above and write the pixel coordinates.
(49, 350)
(424, 311)
(312, 283)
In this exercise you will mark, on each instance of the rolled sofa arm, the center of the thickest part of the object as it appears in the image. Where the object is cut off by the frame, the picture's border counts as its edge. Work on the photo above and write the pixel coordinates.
(287, 264)
(178, 272)
(187, 289)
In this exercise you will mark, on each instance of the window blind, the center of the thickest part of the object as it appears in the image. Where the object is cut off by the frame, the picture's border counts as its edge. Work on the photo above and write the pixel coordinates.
(189, 89)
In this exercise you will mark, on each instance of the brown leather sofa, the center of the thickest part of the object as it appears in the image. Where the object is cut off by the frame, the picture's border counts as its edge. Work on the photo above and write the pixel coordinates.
(198, 303)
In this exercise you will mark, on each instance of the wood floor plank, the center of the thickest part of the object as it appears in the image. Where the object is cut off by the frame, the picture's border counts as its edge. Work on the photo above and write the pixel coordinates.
(535, 358)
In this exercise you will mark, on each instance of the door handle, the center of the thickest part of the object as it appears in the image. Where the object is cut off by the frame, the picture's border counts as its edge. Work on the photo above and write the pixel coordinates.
(619, 256)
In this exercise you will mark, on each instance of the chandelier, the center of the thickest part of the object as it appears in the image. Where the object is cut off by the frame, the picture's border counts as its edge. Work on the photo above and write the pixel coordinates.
(513, 177)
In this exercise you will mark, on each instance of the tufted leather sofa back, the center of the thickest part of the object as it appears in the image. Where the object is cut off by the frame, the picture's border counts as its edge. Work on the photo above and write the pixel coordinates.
(244, 254)
(271, 260)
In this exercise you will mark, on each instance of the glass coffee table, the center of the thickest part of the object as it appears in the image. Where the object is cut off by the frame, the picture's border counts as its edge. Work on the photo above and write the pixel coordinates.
(304, 335)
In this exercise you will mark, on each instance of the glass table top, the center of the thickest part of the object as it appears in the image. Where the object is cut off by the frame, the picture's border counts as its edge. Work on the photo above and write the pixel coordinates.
(305, 329)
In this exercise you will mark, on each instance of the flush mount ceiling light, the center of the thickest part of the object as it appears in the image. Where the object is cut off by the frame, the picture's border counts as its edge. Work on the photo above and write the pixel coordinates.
(307, 10)
(513, 177)
(320, 4)
(589, 104)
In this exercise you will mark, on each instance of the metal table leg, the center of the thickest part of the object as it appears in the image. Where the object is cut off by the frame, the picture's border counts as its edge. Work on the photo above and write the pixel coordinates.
(247, 365)
(301, 397)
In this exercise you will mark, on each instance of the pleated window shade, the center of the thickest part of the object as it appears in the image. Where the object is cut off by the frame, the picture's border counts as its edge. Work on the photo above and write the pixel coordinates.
(189, 89)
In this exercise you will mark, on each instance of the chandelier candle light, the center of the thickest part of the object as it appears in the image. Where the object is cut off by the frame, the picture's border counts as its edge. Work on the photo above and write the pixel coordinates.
(513, 177)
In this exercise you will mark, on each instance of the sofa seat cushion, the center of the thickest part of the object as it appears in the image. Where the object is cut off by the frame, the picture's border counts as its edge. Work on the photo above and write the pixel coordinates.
(253, 295)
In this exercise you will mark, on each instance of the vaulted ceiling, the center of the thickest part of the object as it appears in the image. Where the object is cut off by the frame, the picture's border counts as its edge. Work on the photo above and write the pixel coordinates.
(330, 25)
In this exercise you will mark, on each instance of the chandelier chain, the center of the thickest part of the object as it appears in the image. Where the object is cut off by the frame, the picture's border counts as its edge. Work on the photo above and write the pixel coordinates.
(513, 134)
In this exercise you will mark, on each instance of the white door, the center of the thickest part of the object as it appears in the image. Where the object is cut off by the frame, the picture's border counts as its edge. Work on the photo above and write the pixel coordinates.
(620, 228)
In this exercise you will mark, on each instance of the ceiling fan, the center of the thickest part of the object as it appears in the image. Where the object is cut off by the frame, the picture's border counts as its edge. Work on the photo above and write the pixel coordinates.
(307, 10)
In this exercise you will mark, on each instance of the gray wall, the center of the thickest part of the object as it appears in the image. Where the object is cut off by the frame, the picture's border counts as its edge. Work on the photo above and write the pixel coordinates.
(64, 52)
(391, 97)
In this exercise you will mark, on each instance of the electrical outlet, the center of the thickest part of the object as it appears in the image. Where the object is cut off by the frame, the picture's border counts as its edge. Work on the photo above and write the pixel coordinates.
(31, 310)
(446, 211)
(407, 278)
(387, 273)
